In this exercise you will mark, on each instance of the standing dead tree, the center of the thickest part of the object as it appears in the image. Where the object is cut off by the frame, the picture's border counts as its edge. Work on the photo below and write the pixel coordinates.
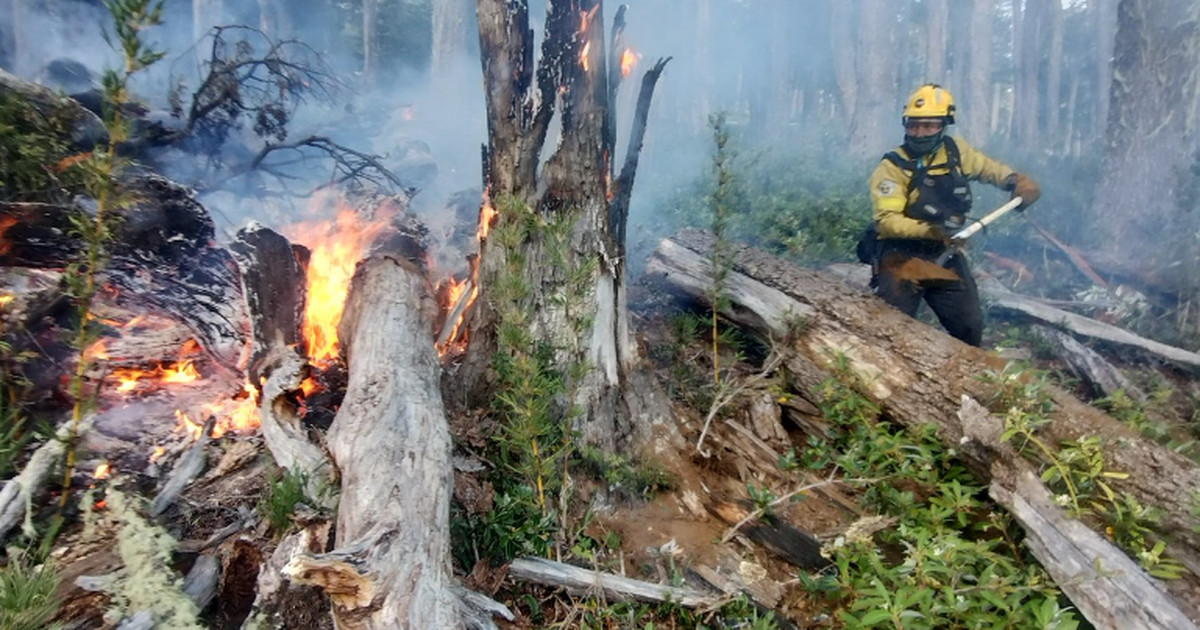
(575, 277)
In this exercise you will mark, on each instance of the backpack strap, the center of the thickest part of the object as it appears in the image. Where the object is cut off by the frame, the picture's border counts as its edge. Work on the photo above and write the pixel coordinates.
(953, 161)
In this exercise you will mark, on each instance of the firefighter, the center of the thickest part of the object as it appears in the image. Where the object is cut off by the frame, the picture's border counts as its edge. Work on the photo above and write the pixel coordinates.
(921, 195)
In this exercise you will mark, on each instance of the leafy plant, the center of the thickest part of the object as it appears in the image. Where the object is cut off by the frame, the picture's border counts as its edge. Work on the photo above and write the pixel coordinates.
(101, 169)
(285, 488)
(27, 594)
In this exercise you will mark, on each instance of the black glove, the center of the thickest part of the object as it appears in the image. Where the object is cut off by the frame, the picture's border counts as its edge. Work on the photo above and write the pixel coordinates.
(1024, 187)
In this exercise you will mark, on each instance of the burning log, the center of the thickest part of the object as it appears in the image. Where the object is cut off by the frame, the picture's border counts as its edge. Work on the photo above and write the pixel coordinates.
(274, 285)
(895, 353)
(391, 443)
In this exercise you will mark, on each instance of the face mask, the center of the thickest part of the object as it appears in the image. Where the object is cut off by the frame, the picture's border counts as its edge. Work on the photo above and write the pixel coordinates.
(917, 147)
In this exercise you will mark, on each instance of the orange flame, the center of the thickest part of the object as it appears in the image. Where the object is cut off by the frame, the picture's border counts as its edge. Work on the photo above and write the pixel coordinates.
(585, 19)
(336, 249)
(5, 299)
(103, 471)
(629, 60)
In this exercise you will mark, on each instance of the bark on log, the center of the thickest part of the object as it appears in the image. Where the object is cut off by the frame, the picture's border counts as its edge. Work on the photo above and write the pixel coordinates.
(917, 374)
(1108, 588)
(614, 587)
(391, 443)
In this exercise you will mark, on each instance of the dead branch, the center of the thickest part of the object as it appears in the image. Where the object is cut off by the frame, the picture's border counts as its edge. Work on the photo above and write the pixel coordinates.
(615, 587)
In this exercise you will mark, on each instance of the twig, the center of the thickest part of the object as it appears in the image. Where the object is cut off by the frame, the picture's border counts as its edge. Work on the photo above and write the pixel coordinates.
(726, 394)
(758, 512)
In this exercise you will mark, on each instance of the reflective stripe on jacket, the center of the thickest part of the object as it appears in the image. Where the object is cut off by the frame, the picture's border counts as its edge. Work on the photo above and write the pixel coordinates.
(890, 191)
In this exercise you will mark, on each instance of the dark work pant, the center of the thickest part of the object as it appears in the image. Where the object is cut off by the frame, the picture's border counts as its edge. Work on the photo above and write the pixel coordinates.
(956, 303)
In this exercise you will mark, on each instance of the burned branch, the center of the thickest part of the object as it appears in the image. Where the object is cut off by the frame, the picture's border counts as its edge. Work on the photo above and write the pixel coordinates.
(240, 83)
(350, 168)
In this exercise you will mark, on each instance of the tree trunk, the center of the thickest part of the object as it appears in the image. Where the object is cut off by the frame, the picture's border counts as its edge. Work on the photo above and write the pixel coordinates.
(370, 47)
(978, 103)
(894, 353)
(876, 77)
(275, 19)
(843, 24)
(1027, 69)
(1054, 87)
(455, 37)
(1151, 127)
(918, 375)
(573, 260)
(20, 14)
(935, 40)
(1105, 30)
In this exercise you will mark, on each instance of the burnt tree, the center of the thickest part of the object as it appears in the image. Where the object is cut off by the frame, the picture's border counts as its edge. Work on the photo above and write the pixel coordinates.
(576, 290)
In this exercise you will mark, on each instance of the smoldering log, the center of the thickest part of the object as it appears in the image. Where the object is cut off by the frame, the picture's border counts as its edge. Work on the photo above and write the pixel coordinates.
(162, 257)
(917, 374)
(391, 443)
(274, 287)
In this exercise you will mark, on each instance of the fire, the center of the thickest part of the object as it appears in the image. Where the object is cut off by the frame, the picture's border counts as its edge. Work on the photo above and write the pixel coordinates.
(181, 372)
(629, 60)
(585, 19)
(5, 299)
(336, 249)
(103, 471)
(487, 216)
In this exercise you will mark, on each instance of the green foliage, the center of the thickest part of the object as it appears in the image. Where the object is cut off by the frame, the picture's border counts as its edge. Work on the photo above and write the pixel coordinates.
(32, 145)
(1076, 468)
(516, 526)
(100, 171)
(27, 594)
(285, 488)
(807, 202)
(641, 480)
(725, 188)
(950, 561)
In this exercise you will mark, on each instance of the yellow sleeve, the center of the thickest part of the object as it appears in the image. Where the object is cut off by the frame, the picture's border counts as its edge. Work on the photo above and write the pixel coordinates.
(889, 186)
(977, 166)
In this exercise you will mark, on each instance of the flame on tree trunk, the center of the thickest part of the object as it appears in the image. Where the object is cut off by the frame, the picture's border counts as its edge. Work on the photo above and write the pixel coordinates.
(575, 188)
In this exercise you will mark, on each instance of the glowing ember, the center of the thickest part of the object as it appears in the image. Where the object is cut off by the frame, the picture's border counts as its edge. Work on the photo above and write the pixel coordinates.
(629, 60)
(310, 386)
(583, 55)
(5, 299)
(159, 451)
(182, 372)
(103, 471)
(97, 351)
(336, 249)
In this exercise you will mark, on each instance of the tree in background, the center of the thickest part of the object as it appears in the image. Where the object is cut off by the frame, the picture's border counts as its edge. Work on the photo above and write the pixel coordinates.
(1151, 127)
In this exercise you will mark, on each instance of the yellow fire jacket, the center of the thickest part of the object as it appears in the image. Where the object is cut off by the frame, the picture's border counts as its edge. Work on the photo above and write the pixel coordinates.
(889, 189)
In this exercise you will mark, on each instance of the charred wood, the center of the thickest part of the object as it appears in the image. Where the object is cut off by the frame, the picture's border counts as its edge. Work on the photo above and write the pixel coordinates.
(1101, 376)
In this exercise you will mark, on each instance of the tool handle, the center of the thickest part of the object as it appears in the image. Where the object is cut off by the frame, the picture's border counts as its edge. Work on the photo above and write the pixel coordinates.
(962, 235)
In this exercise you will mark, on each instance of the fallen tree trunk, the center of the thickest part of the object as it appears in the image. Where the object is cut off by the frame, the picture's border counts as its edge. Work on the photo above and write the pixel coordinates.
(918, 375)
(391, 443)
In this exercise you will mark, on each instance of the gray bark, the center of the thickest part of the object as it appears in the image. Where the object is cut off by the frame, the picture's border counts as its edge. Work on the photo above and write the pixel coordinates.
(455, 36)
(574, 186)
(391, 443)
(977, 106)
(876, 71)
(1151, 128)
(936, 38)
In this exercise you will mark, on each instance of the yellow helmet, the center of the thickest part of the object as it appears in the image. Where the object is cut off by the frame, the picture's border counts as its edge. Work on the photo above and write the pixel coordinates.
(930, 101)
